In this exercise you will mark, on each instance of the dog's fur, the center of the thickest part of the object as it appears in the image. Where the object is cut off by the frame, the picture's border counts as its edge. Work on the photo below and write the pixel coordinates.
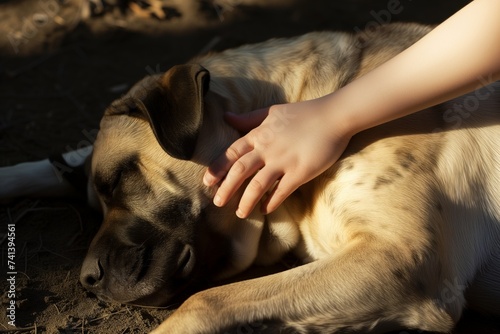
(402, 232)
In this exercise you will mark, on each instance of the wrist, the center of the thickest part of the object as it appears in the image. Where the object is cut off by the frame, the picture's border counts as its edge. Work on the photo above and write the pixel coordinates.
(340, 116)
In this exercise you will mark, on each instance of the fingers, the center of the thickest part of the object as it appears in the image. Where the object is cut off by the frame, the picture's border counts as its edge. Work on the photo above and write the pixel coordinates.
(242, 160)
(246, 122)
(284, 188)
(220, 166)
(242, 169)
(256, 189)
(264, 180)
(238, 164)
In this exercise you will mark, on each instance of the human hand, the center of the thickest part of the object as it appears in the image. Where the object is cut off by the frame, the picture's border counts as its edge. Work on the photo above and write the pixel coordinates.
(294, 143)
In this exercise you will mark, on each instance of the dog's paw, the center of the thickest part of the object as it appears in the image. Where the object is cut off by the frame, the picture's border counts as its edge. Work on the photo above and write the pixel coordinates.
(194, 316)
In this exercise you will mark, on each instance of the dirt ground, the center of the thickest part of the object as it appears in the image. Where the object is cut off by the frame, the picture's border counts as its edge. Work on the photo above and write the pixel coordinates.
(59, 69)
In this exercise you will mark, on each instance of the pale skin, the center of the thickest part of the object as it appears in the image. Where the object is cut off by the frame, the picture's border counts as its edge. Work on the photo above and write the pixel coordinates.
(458, 56)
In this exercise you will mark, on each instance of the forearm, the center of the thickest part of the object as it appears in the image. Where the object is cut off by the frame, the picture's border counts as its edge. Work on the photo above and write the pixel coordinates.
(451, 60)
(455, 58)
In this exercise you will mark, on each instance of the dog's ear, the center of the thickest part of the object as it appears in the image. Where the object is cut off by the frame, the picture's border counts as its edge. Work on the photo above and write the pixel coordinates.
(174, 108)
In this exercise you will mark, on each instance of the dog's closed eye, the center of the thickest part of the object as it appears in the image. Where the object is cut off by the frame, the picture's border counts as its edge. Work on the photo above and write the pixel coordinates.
(106, 186)
(115, 183)
(107, 183)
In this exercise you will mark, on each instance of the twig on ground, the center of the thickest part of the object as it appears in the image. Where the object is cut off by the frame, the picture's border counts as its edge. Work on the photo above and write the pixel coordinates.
(40, 245)
(25, 257)
(20, 329)
(21, 214)
(24, 273)
(128, 310)
(105, 316)
(209, 46)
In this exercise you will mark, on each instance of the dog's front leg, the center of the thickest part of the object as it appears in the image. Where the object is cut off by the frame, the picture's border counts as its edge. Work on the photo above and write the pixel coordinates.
(45, 178)
(360, 289)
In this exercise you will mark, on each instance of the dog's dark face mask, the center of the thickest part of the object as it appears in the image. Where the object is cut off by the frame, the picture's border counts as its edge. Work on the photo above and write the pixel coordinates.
(158, 237)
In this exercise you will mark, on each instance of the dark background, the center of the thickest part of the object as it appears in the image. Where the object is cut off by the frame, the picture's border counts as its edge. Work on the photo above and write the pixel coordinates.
(60, 68)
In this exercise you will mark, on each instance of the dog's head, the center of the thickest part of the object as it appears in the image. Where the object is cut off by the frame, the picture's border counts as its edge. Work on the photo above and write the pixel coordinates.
(161, 234)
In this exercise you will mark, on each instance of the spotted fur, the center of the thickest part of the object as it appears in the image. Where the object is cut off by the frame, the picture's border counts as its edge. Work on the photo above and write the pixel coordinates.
(402, 232)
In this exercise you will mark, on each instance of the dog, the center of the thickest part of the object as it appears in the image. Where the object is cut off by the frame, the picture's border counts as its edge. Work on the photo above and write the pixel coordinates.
(402, 232)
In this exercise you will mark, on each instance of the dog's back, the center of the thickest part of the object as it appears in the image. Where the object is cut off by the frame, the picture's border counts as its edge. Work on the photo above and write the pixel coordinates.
(423, 188)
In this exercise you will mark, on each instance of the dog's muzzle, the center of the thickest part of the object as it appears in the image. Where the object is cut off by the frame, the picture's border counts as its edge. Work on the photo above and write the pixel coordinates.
(137, 265)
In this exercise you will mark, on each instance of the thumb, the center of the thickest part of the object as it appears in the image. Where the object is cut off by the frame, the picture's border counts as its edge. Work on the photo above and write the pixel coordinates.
(247, 121)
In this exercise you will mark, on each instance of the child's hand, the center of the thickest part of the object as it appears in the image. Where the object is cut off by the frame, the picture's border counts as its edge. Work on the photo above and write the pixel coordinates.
(295, 143)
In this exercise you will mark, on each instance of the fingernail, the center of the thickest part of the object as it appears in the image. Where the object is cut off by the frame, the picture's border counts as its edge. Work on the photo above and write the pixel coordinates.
(207, 180)
(217, 200)
(240, 214)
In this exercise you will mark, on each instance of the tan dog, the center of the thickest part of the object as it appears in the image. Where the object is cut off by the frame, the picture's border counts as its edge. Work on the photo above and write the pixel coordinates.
(402, 232)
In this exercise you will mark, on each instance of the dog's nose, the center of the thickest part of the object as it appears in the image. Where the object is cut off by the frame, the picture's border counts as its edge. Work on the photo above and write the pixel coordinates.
(92, 273)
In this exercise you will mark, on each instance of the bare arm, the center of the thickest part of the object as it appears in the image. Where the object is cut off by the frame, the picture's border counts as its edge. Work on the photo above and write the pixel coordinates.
(453, 59)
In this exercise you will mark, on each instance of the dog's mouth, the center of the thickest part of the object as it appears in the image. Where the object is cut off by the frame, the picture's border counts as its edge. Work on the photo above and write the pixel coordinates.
(186, 263)
(180, 281)
(139, 275)
(131, 261)
(135, 262)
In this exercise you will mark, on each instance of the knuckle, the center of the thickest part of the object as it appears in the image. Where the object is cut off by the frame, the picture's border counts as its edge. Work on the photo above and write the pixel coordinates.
(238, 167)
(256, 186)
(274, 108)
(282, 191)
(279, 194)
(232, 153)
